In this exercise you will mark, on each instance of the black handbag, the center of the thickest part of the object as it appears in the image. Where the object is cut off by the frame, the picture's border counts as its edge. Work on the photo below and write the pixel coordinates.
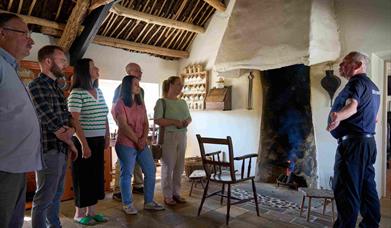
(157, 149)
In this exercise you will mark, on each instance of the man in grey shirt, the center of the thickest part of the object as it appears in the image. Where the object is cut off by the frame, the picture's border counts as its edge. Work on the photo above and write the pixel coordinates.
(20, 134)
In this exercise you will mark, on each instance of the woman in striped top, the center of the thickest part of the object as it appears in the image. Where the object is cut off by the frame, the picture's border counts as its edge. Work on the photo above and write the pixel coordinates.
(89, 115)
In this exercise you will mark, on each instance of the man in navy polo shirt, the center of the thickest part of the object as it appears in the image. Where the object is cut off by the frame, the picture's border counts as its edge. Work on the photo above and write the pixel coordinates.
(352, 122)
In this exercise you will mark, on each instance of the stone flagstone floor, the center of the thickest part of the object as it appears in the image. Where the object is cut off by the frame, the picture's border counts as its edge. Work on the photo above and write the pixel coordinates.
(279, 207)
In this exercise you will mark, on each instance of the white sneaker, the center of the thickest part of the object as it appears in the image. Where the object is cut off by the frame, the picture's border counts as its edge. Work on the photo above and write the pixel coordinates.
(130, 209)
(153, 206)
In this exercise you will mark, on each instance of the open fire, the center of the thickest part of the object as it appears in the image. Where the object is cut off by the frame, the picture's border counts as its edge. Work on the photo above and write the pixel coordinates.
(290, 179)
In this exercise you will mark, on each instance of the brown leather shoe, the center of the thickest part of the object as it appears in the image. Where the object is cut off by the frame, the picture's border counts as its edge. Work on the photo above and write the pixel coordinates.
(169, 201)
(179, 199)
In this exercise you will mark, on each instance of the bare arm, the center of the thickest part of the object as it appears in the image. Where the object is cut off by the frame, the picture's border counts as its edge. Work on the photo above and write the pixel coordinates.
(146, 128)
(86, 151)
(107, 135)
(186, 122)
(347, 111)
(124, 128)
(168, 122)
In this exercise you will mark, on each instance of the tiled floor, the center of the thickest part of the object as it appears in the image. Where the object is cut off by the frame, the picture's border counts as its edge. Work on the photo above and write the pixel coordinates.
(213, 214)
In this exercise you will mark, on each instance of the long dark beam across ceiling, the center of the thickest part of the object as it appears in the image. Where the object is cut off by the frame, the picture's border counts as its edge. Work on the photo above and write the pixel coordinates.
(92, 24)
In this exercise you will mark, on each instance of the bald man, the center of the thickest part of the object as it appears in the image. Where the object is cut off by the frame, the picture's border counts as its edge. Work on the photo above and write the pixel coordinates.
(352, 122)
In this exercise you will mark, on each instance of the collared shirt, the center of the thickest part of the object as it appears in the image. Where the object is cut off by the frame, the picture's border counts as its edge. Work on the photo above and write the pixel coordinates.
(20, 133)
(366, 93)
(52, 110)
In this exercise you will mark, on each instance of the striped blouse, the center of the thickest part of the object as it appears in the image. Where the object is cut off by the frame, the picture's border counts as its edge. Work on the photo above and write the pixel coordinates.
(93, 112)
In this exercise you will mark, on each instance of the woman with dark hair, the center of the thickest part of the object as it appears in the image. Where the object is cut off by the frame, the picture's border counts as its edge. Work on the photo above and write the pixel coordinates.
(132, 146)
(89, 117)
(175, 120)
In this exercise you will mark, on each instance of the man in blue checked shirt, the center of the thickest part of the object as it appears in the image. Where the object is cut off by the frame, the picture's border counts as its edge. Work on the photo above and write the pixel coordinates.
(20, 135)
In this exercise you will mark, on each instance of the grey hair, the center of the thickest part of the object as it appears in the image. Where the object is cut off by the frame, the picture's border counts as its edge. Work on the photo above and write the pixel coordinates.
(360, 57)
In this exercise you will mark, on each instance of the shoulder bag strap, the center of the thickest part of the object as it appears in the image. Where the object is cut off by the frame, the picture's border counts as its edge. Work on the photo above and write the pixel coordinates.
(161, 129)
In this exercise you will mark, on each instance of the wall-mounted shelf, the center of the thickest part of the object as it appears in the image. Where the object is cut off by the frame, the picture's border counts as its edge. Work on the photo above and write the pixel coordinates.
(195, 88)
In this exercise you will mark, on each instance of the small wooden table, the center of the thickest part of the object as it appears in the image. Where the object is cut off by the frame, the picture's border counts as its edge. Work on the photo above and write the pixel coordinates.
(316, 193)
(197, 176)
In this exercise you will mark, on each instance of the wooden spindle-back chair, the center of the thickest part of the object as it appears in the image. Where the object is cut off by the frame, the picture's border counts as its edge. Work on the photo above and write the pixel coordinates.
(223, 172)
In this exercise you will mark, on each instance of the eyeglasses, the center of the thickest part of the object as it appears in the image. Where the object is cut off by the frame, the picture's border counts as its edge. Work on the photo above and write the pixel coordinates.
(25, 33)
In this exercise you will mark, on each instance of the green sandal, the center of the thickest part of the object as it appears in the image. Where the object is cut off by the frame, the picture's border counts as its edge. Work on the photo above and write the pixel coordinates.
(88, 221)
(100, 218)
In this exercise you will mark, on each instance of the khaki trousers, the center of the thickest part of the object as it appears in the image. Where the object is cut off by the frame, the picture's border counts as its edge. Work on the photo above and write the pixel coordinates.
(137, 176)
(173, 162)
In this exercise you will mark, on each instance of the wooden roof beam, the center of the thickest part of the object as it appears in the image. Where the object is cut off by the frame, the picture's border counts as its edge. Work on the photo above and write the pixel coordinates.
(39, 21)
(92, 24)
(148, 18)
(217, 5)
(117, 43)
(97, 3)
(74, 23)
(140, 47)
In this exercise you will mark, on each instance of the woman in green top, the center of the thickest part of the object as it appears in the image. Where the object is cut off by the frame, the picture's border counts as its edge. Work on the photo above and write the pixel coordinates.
(174, 118)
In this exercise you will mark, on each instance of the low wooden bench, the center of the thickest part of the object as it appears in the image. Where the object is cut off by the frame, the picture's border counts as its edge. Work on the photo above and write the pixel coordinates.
(197, 176)
(316, 193)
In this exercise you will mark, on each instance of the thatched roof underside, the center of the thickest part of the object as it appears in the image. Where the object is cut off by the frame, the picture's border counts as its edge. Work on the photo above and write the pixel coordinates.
(134, 25)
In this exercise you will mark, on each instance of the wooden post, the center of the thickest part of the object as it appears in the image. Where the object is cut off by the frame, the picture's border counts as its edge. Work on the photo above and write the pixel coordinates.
(73, 25)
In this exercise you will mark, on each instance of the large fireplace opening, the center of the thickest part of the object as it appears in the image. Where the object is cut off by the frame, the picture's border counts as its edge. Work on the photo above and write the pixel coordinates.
(287, 148)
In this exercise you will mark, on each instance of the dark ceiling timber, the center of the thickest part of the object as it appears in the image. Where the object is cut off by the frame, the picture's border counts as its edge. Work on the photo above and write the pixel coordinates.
(161, 28)
(92, 24)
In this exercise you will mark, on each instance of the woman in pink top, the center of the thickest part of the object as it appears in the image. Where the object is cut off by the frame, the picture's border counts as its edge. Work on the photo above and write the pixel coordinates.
(132, 146)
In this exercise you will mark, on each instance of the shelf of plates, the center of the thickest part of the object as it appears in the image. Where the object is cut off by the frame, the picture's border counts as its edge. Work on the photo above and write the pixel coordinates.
(195, 88)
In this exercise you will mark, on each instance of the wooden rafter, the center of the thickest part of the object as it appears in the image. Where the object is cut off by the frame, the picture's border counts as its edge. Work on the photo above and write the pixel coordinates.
(97, 3)
(148, 18)
(92, 24)
(216, 4)
(20, 6)
(39, 21)
(10, 5)
(140, 47)
(31, 7)
(74, 23)
(59, 9)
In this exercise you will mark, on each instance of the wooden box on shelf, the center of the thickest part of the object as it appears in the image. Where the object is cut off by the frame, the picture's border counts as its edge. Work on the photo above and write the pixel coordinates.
(219, 99)
(196, 83)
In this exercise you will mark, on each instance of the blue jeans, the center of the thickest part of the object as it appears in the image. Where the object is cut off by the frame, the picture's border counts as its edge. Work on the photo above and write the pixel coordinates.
(50, 186)
(128, 157)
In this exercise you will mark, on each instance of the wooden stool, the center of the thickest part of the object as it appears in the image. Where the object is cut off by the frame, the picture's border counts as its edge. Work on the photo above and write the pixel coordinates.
(316, 193)
(197, 176)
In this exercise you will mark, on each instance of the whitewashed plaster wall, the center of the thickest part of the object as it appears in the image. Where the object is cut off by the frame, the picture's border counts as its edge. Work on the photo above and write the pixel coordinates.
(241, 124)
(363, 26)
(267, 35)
(112, 61)
(324, 40)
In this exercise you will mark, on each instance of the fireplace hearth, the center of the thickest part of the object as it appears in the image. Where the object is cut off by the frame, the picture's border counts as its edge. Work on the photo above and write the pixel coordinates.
(287, 150)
